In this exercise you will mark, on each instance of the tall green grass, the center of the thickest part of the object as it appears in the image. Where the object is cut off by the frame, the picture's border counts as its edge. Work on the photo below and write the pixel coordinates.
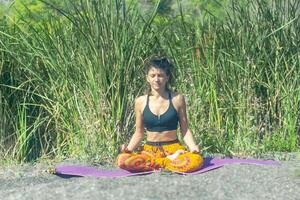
(68, 81)
(248, 72)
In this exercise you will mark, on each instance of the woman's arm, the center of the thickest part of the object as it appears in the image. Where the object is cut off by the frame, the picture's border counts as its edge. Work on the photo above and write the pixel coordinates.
(187, 134)
(138, 135)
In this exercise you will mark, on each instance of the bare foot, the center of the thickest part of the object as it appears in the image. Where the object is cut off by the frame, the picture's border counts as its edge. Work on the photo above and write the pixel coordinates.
(176, 154)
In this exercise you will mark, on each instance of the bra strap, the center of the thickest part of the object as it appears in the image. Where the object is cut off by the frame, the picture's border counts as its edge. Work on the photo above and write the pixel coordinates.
(170, 98)
(147, 102)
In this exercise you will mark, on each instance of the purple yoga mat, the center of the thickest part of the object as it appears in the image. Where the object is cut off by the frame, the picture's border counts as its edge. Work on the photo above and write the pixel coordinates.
(209, 164)
(214, 163)
(69, 170)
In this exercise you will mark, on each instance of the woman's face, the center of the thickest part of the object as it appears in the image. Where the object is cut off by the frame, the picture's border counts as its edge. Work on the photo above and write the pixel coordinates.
(157, 78)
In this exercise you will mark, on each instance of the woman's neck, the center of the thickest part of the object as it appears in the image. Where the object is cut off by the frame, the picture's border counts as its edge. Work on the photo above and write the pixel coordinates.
(159, 93)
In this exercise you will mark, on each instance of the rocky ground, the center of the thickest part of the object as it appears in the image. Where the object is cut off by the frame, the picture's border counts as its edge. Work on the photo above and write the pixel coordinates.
(30, 181)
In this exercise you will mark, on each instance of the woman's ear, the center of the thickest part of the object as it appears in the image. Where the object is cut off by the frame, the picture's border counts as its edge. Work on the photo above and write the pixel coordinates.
(147, 79)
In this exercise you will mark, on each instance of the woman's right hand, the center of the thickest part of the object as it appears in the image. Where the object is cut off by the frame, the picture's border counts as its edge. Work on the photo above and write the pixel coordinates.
(123, 149)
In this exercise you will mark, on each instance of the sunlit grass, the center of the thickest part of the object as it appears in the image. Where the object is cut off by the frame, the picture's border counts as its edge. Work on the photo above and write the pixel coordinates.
(68, 82)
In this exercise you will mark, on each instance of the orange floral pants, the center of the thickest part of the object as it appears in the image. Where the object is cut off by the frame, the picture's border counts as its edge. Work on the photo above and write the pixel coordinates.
(155, 157)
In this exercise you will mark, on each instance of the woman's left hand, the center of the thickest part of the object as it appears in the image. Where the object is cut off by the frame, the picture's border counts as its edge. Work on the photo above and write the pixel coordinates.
(194, 149)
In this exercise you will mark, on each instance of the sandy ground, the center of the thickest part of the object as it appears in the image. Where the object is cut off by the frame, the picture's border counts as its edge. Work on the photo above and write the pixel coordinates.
(229, 182)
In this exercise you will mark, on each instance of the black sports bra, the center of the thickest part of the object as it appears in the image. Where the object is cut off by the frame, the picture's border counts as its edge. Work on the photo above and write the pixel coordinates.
(165, 122)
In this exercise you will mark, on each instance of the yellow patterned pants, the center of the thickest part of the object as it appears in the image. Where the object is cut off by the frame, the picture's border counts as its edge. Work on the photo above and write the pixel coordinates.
(155, 157)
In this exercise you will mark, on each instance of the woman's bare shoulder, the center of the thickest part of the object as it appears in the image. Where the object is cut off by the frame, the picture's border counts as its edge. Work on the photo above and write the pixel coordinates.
(140, 101)
(178, 96)
(178, 99)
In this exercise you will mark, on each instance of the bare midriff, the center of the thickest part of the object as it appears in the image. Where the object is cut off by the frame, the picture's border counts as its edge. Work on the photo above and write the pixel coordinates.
(161, 136)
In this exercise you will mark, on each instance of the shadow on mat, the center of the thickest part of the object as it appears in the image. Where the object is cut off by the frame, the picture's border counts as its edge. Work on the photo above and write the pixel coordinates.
(66, 176)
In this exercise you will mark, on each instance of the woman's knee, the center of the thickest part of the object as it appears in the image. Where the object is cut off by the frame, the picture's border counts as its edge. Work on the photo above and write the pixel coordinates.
(134, 162)
(187, 162)
(197, 160)
(121, 160)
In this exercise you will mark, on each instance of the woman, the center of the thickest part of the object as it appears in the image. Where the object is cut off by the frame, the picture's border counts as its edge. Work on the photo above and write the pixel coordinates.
(159, 112)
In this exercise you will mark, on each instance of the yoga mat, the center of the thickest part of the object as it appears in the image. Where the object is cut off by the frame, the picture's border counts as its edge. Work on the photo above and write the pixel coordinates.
(215, 163)
(79, 171)
(209, 164)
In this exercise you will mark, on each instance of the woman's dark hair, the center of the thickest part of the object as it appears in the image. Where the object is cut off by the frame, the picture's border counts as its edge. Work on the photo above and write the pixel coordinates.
(160, 63)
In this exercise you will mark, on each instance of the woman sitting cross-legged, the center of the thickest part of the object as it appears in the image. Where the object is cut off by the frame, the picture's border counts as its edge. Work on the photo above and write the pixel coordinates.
(160, 112)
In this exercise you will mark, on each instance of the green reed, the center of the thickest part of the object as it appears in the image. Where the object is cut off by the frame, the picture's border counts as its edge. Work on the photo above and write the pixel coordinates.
(69, 80)
(255, 60)
(82, 68)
